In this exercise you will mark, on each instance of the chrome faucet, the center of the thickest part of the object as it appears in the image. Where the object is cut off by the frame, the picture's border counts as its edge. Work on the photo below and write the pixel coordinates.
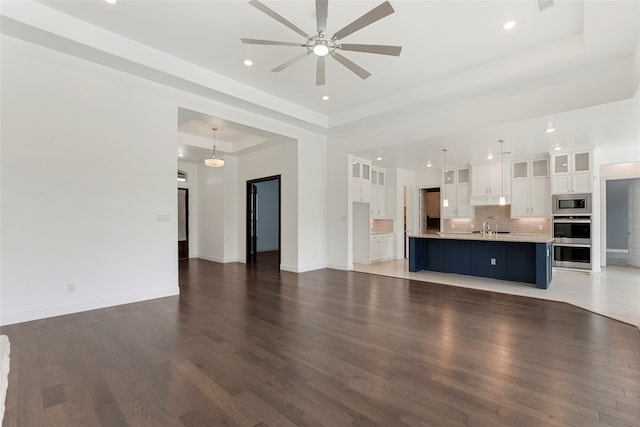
(485, 228)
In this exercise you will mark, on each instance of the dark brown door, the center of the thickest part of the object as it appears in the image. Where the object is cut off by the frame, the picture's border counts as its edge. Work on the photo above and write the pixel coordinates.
(252, 223)
(183, 223)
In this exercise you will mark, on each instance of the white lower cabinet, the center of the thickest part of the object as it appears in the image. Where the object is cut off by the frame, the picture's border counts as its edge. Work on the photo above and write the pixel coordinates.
(381, 247)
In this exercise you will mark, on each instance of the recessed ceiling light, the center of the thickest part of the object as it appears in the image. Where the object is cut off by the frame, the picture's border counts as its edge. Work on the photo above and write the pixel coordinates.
(550, 130)
(429, 164)
(248, 62)
(557, 148)
(378, 158)
(325, 97)
(509, 25)
(489, 156)
(180, 154)
(111, 1)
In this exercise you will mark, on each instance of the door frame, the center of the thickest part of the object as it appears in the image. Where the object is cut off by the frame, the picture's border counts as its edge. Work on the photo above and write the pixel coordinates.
(251, 182)
(610, 171)
(186, 214)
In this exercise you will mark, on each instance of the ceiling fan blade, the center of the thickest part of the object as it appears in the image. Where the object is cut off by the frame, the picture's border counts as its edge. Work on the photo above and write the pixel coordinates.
(373, 48)
(269, 42)
(290, 62)
(352, 66)
(262, 7)
(322, 10)
(320, 71)
(368, 18)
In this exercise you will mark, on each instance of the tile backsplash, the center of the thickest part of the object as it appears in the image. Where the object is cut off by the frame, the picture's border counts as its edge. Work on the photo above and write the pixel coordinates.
(500, 216)
(382, 226)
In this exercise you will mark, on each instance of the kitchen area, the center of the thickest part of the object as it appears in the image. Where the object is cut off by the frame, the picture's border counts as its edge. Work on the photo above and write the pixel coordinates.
(512, 220)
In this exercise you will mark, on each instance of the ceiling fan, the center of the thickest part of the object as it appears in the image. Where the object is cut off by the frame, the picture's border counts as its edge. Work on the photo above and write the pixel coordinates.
(321, 45)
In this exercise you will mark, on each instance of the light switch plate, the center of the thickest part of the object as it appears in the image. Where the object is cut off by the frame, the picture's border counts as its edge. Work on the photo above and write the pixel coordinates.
(493, 261)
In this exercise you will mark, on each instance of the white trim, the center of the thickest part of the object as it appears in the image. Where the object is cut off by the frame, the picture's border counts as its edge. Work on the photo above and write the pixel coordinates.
(211, 258)
(618, 251)
(26, 316)
(5, 350)
(302, 269)
(340, 266)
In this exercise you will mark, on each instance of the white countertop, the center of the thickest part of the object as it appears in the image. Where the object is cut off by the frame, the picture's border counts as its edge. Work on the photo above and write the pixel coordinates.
(511, 237)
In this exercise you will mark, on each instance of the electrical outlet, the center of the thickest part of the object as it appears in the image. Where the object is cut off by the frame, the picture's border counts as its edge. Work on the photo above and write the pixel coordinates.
(453, 226)
(472, 226)
(541, 227)
(493, 261)
(71, 287)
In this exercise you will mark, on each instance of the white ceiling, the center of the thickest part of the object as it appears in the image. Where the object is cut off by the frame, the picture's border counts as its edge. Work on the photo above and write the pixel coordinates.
(452, 51)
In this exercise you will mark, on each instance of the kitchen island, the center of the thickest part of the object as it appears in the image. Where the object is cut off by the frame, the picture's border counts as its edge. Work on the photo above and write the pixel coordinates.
(514, 257)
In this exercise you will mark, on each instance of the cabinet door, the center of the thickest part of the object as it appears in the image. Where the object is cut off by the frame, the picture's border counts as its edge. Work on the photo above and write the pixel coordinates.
(560, 164)
(540, 205)
(380, 177)
(450, 177)
(520, 199)
(520, 170)
(373, 202)
(366, 172)
(356, 167)
(581, 183)
(450, 194)
(463, 201)
(479, 180)
(366, 192)
(373, 249)
(560, 184)
(581, 162)
(382, 201)
(539, 168)
(374, 177)
(388, 246)
(496, 179)
(356, 189)
(463, 176)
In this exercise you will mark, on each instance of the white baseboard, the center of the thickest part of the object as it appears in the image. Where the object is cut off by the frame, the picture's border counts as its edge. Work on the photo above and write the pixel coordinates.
(339, 266)
(618, 251)
(302, 269)
(211, 258)
(27, 316)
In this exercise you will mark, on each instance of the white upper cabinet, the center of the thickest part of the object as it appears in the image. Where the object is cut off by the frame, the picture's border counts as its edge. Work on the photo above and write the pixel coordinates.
(489, 181)
(457, 192)
(571, 172)
(378, 193)
(360, 181)
(530, 195)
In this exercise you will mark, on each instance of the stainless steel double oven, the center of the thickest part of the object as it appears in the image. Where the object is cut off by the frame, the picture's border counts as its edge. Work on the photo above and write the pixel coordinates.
(572, 231)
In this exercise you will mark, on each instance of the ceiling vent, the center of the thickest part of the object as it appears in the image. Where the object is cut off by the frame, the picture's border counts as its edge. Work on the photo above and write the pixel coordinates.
(544, 4)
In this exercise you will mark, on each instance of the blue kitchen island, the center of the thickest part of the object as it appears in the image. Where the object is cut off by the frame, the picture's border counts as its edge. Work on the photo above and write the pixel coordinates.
(518, 258)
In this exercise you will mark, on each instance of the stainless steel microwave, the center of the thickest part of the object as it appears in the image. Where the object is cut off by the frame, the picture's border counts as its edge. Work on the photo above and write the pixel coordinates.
(571, 204)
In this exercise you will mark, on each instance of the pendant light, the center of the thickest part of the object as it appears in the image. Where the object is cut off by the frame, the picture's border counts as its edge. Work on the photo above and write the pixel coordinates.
(502, 200)
(445, 201)
(214, 162)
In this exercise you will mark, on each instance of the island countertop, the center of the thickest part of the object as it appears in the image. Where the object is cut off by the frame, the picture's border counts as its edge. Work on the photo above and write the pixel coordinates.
(498, 237)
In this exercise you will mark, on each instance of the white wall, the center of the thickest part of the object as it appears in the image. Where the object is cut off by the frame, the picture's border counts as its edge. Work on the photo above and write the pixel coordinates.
(88, 164)
(312, 202)
(211, 212)
(279, 160)
(191, 169)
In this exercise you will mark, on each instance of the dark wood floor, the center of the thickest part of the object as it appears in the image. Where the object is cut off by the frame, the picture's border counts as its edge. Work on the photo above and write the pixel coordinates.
(252, 346)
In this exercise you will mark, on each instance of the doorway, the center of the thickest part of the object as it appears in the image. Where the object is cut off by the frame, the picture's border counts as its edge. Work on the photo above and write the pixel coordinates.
(430, 213)
(183, 223)
(264, 221)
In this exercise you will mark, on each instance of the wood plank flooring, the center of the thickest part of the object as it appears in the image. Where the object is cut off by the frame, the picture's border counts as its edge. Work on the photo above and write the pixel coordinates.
(252, 346)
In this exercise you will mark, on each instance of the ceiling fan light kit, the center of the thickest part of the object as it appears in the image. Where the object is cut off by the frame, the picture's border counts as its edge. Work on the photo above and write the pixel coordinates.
(321, 46)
